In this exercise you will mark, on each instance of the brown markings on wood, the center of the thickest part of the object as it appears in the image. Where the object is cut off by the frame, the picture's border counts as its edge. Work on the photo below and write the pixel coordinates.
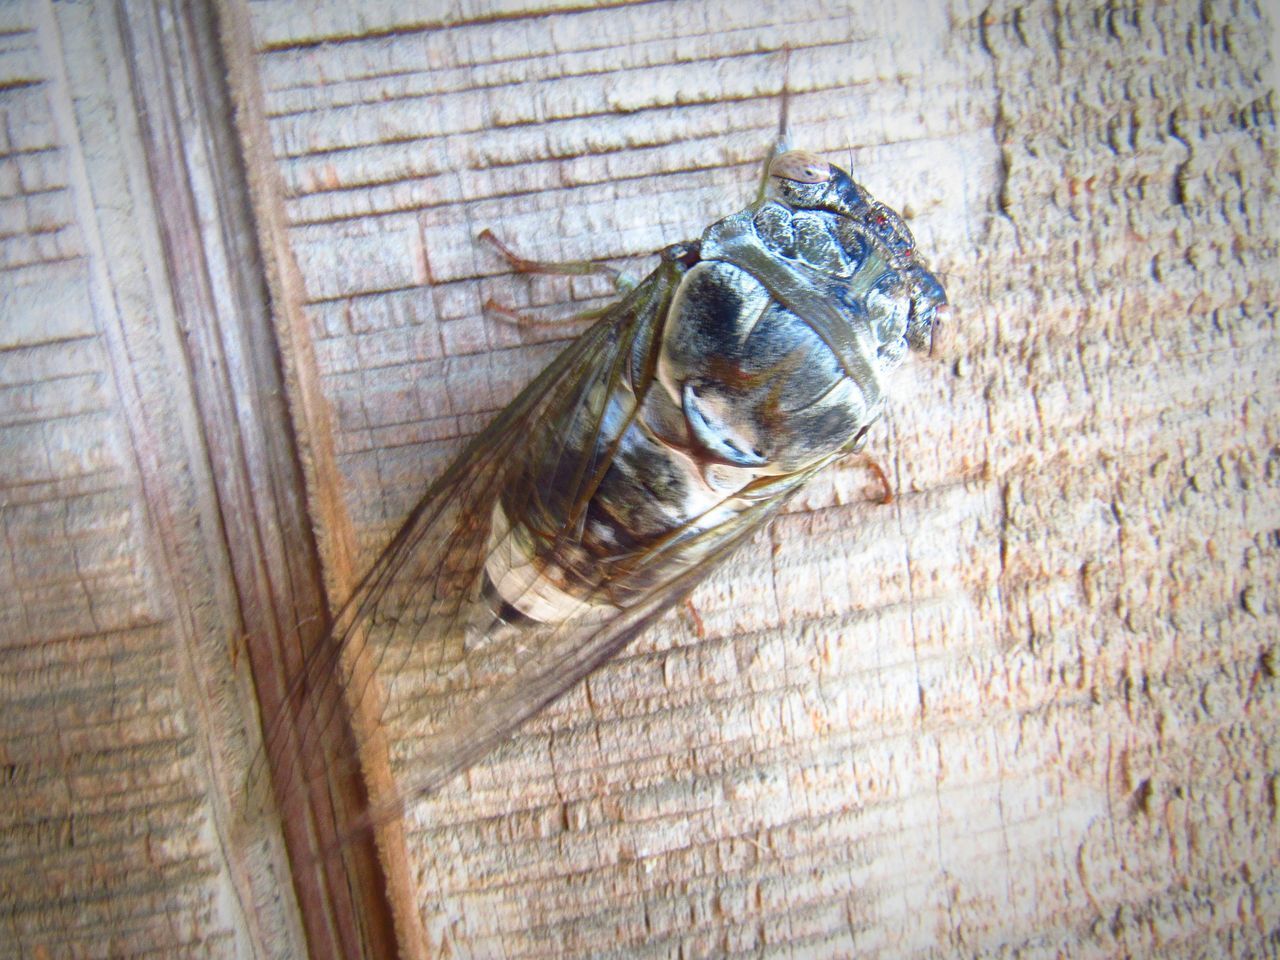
(124, 719)
(1030, 707)
(345, 884)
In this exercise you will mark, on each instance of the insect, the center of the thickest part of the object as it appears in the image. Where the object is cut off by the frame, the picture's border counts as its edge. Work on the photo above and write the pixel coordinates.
(661, 439)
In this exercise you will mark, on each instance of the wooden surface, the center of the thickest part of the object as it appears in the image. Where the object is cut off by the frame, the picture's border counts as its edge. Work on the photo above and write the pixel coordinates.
(1030, 705)
(1028, 709)
(126, 707)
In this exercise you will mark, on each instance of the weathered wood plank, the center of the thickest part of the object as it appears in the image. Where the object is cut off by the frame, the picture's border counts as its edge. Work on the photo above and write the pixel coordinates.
(220, 296)
(127, 716)
(1028, 708)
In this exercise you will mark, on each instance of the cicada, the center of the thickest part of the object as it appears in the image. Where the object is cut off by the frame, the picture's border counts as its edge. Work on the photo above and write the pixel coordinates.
(659, 441)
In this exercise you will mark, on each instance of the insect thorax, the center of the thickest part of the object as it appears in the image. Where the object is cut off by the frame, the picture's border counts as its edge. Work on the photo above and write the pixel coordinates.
(767, 361)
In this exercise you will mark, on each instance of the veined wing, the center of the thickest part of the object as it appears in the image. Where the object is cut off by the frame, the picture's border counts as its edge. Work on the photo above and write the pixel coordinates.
(427, 659)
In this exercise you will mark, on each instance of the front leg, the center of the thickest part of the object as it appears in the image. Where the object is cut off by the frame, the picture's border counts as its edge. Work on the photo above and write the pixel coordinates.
(572, 268)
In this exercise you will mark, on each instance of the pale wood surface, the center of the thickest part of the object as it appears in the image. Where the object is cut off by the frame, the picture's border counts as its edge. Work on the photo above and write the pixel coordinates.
(1030, 706)
(1028, 709)
(126, 706)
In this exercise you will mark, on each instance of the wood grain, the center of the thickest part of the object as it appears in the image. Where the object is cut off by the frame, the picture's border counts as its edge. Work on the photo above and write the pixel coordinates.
(128, 714)
(1029, 708)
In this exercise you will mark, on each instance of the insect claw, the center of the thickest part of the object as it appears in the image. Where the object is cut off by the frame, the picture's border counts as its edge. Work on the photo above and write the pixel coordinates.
(508, 314)
(699, 628)
(514, 260)
(886, 497)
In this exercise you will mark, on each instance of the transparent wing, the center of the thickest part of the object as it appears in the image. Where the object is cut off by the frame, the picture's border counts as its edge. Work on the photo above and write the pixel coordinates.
(420, 656)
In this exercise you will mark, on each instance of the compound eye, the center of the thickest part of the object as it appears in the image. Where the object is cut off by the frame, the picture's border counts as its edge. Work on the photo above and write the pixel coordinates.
(801, 167)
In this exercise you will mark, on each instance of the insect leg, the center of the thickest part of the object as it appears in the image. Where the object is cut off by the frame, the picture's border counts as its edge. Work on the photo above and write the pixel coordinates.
(503, 312)
(873, 465)
(573, 268)
(699, 628)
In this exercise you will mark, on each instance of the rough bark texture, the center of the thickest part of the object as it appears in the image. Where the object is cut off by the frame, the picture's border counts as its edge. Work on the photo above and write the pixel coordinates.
(1029, 709)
